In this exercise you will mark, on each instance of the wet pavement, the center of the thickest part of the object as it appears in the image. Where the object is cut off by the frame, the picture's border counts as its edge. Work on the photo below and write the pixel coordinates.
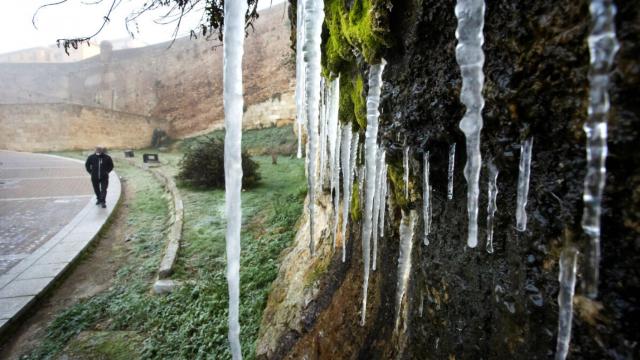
(39, 195)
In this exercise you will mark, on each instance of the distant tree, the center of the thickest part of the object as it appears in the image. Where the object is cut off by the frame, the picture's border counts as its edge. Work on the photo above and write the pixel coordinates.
(211, 25)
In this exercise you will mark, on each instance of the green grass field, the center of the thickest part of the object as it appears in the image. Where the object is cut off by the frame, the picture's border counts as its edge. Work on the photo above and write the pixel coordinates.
(191, 322)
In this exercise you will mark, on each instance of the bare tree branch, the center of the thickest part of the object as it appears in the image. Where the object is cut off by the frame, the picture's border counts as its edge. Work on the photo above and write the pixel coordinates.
(33, 18)
(211, 20)
(74, 42)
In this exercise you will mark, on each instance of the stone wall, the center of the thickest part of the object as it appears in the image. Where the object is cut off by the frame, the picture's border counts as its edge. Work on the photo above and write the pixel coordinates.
(181, 84)
(52, 127)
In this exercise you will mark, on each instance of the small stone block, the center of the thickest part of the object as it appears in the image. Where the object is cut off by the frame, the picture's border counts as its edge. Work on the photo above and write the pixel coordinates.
(164, 286)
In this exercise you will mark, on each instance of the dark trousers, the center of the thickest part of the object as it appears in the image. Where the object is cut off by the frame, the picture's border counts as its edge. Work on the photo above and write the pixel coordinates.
(100, 188)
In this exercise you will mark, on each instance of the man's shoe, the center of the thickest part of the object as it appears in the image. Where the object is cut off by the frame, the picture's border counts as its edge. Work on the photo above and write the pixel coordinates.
(104, 205)
(98, 202)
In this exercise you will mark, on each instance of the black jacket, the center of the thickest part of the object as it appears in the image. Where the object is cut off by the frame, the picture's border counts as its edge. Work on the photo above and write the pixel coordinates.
(99, 166)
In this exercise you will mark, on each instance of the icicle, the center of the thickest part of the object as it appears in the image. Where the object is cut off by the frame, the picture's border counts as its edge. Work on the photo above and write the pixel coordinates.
(362, 172)
(603, 47)
(324, 117)
(314, 17)
(470, 57)
(334, 125)
(355, 145)
(335, 185)
(452, 159)
(300, 66)
(426, 199)
(404, 261)
(491, 204)
(370, 149)
(377, 201)
(523, 184)
(345, 155)
(333, 130)
(405, 166)
(233, 49)
(567, 279)
(383, 199)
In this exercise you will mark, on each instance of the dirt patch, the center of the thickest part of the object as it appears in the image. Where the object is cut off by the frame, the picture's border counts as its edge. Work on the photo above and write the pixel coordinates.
(93, 274)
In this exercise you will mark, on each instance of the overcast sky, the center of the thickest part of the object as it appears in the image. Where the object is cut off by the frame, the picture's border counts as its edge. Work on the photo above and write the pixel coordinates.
(75, 18)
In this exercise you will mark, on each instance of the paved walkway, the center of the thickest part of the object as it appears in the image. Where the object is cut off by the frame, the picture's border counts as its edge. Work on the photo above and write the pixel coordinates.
(47, 217)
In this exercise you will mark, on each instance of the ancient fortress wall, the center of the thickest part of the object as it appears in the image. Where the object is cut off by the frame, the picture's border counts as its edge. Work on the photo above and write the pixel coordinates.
(51, 127)
(180, 85)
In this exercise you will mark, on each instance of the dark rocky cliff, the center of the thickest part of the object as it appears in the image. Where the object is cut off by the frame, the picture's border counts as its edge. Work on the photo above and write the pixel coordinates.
(480, 305)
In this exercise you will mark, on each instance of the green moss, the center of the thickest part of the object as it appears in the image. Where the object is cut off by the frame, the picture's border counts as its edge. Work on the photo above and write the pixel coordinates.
(355, 208)
(357, 28)
(359, 102)
(319, 268)
(397, 184)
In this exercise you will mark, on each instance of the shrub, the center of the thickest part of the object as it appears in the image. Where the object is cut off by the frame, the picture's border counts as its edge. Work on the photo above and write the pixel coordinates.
(203, 166)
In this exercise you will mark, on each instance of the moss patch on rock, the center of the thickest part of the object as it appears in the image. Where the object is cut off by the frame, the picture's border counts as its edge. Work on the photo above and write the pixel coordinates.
(361, 27)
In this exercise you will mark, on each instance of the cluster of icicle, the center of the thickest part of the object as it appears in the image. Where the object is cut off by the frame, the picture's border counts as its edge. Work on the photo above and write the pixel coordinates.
(334, 147)
(234, 12)
(470, 57)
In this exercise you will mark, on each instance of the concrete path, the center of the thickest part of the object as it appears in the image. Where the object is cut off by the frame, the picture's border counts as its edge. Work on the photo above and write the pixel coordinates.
(48, 217)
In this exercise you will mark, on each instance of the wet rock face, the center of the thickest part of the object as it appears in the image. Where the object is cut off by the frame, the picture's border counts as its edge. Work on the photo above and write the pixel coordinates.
(492, 305)
(501, 305)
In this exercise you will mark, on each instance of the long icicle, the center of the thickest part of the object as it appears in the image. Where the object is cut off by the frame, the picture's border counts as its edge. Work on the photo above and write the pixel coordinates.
(314, 17)
(470, 57)
(452, 160)
(335, 183)
(524, 174)
(300, 66)
(323, 124)
(404, 265)
(377, 201)
(603, 46)
(426, 199)
(370, 142)
(233, 49)
(492, 193)
(567, 279)
(383, 205)
(406, 150)
(345, 154)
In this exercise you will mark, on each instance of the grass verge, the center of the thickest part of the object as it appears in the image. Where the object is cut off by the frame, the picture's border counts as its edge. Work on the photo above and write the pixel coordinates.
(190, 323)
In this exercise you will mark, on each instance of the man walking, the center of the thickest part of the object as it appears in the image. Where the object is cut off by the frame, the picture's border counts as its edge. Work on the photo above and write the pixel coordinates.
(99, 165)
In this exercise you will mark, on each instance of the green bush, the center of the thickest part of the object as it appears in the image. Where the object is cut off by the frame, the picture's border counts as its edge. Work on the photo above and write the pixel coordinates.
(203, 166)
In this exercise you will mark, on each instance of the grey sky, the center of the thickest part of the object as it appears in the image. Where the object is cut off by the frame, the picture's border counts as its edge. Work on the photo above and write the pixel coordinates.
(74, 19)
